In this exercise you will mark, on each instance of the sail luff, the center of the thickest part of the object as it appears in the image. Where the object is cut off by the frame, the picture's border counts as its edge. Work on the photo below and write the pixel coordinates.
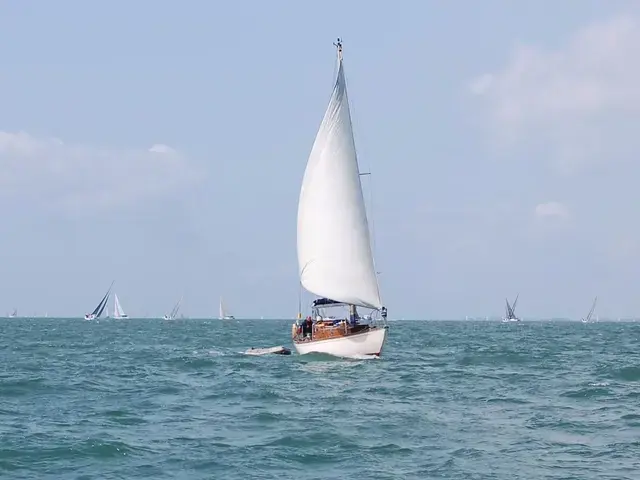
(335, 259)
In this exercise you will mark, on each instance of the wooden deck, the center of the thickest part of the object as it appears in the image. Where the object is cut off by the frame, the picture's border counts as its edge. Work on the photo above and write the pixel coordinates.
(327, 331)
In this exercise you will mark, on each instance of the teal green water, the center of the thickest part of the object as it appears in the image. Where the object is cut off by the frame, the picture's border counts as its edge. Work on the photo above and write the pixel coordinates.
(457, 400)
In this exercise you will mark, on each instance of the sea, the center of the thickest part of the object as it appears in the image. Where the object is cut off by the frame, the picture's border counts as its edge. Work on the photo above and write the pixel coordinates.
(153, 399)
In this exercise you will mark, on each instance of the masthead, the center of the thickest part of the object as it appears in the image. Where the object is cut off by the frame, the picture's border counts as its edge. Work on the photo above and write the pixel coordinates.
(338, 45)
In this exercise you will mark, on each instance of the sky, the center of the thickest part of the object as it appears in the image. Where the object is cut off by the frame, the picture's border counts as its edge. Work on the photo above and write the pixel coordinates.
(161, 144)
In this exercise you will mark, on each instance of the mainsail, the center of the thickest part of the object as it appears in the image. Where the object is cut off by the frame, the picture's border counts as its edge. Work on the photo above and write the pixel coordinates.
(593, 307)
(508, 310)
(103, 303)
(511, 309)
(334, 250)
(118, 311)
(222, 311)
(174, 312)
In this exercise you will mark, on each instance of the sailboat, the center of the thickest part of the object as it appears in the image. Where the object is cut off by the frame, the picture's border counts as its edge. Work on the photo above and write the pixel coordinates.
(510, 313)
(335, 260)
(118, 312)
(174, 311)
(14, 314)
(101, 306)
(587, 319)
(223, 314)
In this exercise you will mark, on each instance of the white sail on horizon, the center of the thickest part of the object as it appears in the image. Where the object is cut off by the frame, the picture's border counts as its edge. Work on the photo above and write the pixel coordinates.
(222, 312)
(118, 312)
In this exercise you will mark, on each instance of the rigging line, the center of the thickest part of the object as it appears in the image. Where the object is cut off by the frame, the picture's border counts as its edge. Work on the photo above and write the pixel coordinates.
(373, 220)
(299, 316)
(353, 115)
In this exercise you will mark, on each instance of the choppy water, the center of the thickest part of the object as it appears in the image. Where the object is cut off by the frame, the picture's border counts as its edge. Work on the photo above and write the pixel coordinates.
(153, 399)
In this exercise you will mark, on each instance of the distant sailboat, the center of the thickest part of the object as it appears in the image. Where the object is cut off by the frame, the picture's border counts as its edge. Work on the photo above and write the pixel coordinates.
(587, 319)
(223, 314)
(510, 314)
(101, 306)
(14, 314)
(174, 312)
(335, 260)
(118, 312)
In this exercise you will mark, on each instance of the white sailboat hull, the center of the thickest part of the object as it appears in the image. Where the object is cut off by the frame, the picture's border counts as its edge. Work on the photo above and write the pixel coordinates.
(369, 342)
(89, 316)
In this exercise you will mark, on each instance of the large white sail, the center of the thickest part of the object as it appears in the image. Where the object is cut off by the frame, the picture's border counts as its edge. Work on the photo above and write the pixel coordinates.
(334, 251)
(118, 312)
(223, 312)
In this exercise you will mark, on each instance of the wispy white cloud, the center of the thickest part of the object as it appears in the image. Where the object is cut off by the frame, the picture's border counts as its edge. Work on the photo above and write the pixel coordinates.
(77, 177)
(578, 103)
(551, 209)
(161, 148)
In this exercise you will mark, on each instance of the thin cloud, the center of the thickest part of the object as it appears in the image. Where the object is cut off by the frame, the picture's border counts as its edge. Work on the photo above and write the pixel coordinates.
(575, 102)
(551, 209)
(75, 177)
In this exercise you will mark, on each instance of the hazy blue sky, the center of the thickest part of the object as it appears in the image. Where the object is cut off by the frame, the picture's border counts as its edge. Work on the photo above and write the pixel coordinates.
(162, 144)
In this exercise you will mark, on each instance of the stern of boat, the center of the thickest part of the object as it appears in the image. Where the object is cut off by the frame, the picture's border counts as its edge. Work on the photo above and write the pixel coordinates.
(368, 342)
